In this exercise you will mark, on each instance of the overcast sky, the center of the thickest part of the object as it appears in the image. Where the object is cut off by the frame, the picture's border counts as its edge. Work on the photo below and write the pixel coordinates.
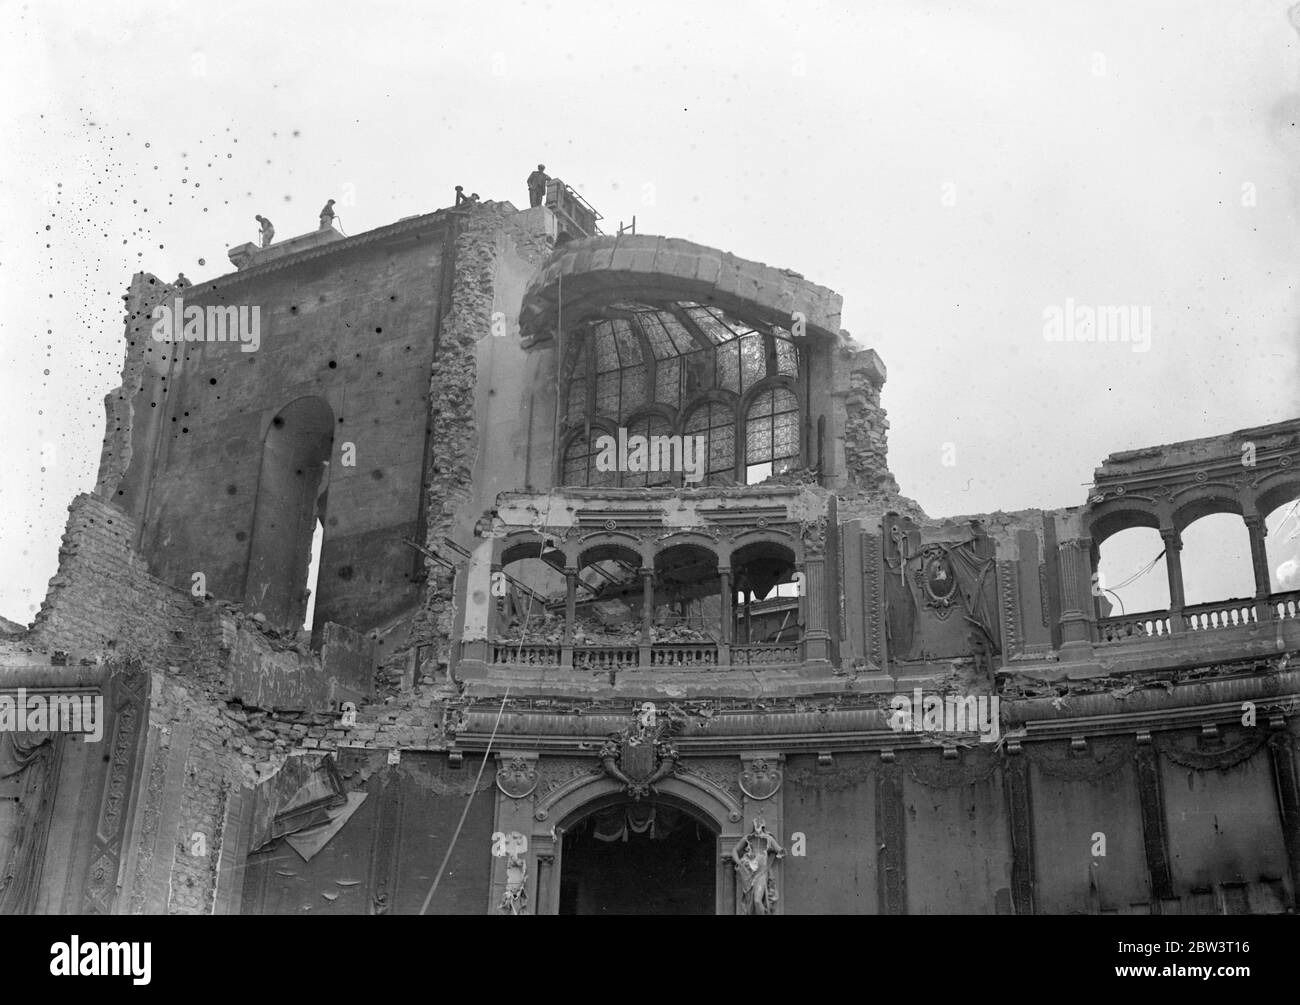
(954, 170)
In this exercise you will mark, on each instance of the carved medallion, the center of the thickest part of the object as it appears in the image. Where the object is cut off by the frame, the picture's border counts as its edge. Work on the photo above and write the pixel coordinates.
(760, 778)
(517, 777)
(937, 579)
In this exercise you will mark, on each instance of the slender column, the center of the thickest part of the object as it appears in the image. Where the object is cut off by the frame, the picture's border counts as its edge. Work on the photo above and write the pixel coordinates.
(570, 614)
(728, 898)
(1259, 563)
(1174, 567)
(724, 615)
(647, 612)
(494, 608)
(816, 606)
(1075, 586)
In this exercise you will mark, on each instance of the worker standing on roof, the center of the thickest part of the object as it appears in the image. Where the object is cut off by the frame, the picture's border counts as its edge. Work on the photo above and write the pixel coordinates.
(537, 185)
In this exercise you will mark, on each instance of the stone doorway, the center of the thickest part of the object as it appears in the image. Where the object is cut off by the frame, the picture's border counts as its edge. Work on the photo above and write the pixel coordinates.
(646, 857)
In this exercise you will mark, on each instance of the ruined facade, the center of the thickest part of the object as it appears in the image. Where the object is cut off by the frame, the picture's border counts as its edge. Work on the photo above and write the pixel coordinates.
(617, 608)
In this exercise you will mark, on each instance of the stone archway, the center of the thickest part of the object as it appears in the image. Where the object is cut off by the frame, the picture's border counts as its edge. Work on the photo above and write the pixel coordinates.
(545, 815)
(652, 856)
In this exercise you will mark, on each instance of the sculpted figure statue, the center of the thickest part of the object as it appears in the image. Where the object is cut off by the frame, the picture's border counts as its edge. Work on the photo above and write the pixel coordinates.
(754, 855)
(515, 899)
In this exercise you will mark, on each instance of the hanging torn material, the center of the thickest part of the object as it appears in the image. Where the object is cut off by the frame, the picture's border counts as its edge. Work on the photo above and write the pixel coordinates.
(299, 796)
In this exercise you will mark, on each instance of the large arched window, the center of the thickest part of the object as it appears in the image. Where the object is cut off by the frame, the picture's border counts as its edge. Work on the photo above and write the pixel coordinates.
(648, 426)
(580, 462)
(291, 490)
(696, 363)
(771, 434)
(717, 424)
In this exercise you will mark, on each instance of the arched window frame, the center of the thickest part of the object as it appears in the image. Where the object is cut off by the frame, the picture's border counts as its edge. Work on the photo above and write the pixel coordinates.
(747, 401)
(689, 398)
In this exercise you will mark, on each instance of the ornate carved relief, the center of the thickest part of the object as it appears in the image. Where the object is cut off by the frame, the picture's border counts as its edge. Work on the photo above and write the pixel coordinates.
(1104, 757)
(760, 778)
(717, 773)
(638, 760)
(1008, 573)
(813, 534)
(554, 773)
(975, 766)
(517, 777)
(1188, 756)
(153, 798)
(128, 690)
(875, 611)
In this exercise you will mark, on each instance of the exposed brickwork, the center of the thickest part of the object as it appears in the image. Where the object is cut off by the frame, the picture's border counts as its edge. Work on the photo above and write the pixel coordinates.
(452, 390)
(866, 446)
(103, 599)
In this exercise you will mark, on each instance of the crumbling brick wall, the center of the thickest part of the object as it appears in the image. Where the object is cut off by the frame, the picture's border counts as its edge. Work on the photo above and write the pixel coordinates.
(103, 599)
(453, 386)
(866, 446)
(139, 367)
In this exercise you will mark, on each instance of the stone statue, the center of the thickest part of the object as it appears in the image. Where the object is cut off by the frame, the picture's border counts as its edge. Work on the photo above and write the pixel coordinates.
(515, 899)
(268, 231)
(537, 185)
(327, 216)
(757, 883)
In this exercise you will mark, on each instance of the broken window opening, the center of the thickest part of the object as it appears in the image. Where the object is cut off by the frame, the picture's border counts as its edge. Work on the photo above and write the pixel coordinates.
(290, 499)
(698, 367)
(313, 573)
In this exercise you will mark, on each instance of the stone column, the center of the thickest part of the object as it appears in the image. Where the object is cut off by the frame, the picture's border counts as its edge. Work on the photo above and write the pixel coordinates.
(1076, 592)
(1259, 563)
(1174, 567)
(570, 614)
(494, 625)
(547, 880)
(728, 896)
(817, 637)
(647, 612)
(724, 615)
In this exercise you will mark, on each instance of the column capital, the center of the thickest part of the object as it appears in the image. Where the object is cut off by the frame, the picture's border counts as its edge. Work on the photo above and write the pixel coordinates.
(1172, 538)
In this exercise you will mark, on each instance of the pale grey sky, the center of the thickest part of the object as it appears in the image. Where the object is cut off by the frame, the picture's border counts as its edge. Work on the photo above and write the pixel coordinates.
(952, 169)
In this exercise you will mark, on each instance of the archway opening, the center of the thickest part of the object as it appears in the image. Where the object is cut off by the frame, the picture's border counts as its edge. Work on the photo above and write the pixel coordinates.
(291, 499)
(1283, 547)
(1216, 560)
(766, 607)
(649, 857)
(1131, 576)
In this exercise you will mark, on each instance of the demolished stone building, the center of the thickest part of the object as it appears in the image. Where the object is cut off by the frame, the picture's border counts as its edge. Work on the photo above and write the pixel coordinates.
(561, 663)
